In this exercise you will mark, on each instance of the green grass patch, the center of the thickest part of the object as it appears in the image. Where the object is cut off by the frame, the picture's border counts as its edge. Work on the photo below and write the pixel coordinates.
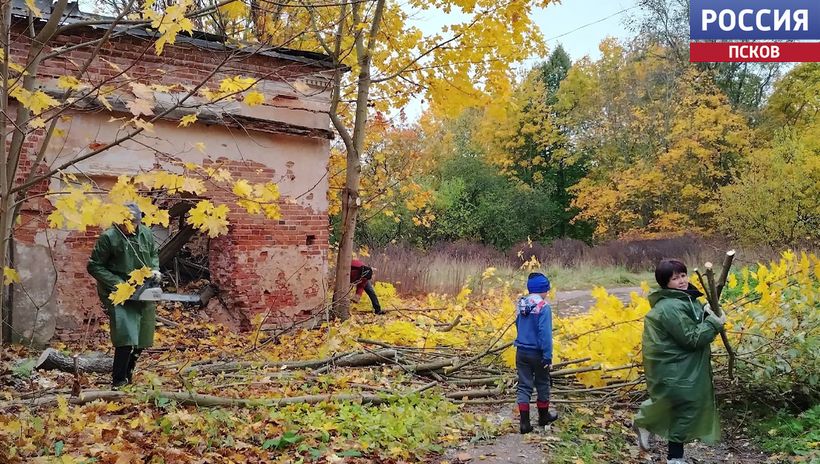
(796, 435)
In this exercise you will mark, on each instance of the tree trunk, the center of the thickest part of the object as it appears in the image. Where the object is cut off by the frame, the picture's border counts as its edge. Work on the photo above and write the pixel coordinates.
(52, 359)
(354, 146)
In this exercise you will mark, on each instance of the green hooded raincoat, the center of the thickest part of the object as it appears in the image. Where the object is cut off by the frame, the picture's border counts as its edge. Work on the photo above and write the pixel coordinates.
(114, 256)
(677, 363)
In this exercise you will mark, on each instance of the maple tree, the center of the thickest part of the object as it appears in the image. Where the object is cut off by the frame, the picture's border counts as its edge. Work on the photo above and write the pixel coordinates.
(463, 65)
(777, 190)
(661, 149)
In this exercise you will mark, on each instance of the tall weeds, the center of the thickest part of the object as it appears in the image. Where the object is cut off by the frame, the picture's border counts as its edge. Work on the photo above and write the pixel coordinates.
(571, 264)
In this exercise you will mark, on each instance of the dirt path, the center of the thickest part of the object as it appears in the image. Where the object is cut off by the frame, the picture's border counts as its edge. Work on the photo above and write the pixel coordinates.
(536, 447)
(573, 302)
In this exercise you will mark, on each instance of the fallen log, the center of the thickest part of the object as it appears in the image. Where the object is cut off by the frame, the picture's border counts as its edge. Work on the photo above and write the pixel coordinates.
(577, 370)
(203, 400)
(513, 400)
(474, 393)
(356, 359)
(490, 350)
(52, 359)
(476, 382)
(430, 366)
(567, 363)
(367, 359)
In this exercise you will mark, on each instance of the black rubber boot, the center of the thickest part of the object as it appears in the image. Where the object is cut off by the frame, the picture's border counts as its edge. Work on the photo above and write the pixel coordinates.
(119, 372)
(525, 426)
(546, 417)
(132, 363)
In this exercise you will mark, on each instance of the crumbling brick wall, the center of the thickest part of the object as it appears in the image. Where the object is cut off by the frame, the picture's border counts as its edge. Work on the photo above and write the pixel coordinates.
(261, 265)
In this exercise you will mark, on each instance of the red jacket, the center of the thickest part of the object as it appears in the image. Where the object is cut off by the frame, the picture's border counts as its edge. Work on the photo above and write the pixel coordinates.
(356, 275)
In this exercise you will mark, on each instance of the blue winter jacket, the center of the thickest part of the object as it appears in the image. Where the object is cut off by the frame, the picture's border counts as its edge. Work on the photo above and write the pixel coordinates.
(534, 323)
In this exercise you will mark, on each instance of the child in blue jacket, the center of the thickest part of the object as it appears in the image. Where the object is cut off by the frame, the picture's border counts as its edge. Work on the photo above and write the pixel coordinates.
(533, 356)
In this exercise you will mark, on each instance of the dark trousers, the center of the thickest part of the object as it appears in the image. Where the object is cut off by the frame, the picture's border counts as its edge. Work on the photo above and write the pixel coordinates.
(531, 372)
(371, 292)
(125, 360)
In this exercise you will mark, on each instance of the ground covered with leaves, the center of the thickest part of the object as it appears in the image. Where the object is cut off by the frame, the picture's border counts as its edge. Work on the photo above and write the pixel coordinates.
(430, 381)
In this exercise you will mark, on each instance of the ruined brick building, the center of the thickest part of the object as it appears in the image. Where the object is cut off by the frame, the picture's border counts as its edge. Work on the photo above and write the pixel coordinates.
(260, 264)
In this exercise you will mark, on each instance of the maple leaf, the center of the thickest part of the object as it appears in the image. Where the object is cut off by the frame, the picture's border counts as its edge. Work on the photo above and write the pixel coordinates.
(233, 10)
(17, 68)
(200, 147)
(236, 84)
(254, 98)
(242, 189)
(142, 91)
(33, 7)
(192, 185)
(10, 276)
(187, 120)
(141, 106)
(170, 22)
(122, 293)
(209, 218)
(143, 124)
(138, 276)
(68, 83)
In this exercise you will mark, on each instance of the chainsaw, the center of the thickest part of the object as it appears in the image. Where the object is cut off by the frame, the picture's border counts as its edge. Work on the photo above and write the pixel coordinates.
(151, 290)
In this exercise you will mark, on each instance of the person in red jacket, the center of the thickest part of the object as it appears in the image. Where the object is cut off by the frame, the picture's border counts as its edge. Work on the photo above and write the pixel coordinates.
(362, 275)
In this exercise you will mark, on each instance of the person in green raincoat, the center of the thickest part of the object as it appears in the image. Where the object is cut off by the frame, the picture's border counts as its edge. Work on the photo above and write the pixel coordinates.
(118, 251)
(677, 363)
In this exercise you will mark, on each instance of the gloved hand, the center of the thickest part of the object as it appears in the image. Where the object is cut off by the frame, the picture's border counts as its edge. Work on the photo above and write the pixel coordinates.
(155, 274)
(708, 309)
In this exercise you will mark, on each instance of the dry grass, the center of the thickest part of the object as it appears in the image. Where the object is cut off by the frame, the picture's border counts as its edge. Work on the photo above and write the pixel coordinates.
(570, 264)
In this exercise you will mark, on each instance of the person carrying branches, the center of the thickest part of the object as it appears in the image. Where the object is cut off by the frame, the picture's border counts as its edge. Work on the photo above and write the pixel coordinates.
(677, 334)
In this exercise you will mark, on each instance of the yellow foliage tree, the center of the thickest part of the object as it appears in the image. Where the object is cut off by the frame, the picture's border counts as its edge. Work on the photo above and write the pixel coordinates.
(461, 66)
(661, 150)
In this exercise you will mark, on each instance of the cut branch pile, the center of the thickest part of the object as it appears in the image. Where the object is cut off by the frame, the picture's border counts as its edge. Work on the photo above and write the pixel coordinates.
(461, 376)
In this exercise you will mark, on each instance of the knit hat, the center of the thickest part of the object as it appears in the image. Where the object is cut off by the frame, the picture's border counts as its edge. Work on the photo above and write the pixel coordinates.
(538, 283)
(135, 210)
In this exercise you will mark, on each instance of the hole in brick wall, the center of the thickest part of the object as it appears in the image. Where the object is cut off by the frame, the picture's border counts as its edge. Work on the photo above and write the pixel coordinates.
(310, 240)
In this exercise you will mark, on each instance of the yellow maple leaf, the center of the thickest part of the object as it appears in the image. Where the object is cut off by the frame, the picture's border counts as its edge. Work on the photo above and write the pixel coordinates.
(236, 84)
(122, 293)
(187, 120)
(200, 147)
(254, 98)
(10, 276)
(209, 218)
(190, 184)
(233, 10)
(138, 276)
(68, 83)
(17, 68)
(242, 189)
(33, 7)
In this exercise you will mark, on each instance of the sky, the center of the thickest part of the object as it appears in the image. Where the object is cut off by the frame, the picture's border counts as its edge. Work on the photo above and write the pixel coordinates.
(561, 19)
(578, 25)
